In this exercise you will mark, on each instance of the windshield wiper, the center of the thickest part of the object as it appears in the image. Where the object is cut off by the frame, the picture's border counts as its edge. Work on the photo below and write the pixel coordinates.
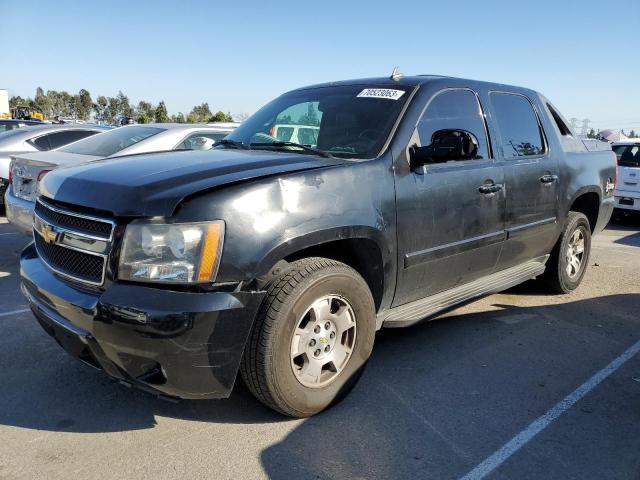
(315, 151)
(232, 143)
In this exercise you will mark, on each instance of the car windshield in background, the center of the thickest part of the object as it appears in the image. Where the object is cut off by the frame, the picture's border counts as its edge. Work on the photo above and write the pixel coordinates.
(5, 127)
(349, 121)
(628, 155)
(111, 142)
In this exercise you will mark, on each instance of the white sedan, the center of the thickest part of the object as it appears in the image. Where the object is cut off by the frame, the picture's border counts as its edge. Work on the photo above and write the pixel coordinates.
(27, 169)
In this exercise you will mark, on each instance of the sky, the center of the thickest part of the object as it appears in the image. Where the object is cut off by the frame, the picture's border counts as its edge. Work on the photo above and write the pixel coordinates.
(583, 55)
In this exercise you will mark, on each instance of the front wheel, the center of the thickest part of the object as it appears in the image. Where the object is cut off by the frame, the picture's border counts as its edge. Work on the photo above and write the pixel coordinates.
(570, 256)
(312, 337)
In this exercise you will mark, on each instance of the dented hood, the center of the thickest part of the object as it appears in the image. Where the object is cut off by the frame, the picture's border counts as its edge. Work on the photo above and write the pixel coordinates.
(155, 184)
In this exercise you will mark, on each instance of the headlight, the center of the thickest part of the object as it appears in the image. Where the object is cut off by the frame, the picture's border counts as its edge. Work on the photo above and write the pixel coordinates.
(171, 253)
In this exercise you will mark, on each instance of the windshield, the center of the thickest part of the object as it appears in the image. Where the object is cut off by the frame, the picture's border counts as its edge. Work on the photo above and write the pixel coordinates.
(628, 155)
(108, 143)
(350, 121)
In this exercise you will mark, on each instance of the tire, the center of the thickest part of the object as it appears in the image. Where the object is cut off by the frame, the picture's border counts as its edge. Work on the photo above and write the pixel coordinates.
(311, 291)
(557, 276)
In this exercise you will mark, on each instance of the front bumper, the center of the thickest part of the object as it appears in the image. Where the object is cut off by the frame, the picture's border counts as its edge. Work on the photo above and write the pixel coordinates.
(19, 212)
(175, 344)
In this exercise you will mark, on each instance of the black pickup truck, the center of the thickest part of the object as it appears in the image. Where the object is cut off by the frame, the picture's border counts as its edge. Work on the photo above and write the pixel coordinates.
(333, 211)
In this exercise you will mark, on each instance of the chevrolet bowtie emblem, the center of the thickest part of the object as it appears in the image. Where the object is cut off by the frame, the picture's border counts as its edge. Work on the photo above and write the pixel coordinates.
(49, 234)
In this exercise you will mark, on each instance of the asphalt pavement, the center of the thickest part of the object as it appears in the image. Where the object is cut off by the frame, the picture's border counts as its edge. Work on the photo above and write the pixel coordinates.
(519, 385)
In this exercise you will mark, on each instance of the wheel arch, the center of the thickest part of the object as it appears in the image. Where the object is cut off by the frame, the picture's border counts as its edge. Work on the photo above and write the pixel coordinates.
(587, 201)
(362, 248)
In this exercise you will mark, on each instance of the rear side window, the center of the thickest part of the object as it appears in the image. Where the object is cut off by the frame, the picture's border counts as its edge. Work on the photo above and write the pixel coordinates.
(57, 140)
(41, 143)
(563, 128)
(457, 110)
(628, 155)
(520, 132)
(113, 141)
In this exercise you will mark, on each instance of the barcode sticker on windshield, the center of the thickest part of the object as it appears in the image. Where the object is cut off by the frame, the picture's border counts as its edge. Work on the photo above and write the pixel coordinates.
(387, 93)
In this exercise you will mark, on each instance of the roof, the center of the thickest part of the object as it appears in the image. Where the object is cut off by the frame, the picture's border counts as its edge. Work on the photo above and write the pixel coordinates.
(34, 130)
(414, 81)
(185, 126)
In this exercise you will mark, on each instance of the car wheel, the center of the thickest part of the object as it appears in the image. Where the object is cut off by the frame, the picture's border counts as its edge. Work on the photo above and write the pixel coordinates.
(312, 338)
(570, 256)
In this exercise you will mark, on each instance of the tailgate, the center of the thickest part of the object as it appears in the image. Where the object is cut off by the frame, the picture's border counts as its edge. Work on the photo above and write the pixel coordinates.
(629, 179)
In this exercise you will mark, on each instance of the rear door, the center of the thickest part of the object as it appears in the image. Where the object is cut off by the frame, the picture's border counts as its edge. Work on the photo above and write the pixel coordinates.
(450, 228)
(531, 178)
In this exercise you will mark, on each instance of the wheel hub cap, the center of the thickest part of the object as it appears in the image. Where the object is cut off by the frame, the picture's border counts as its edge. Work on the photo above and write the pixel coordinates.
(575, 253)
(323, 341)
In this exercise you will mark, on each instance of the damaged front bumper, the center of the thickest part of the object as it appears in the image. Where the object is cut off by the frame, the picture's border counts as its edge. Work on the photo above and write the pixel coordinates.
(175, 344)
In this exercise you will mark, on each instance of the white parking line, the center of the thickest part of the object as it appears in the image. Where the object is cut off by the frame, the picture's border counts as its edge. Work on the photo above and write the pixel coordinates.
(14, 312)
(10, 233)
(539, 424)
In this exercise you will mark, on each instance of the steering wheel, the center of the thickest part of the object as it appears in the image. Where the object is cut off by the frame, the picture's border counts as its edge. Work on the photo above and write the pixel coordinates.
(366, 134)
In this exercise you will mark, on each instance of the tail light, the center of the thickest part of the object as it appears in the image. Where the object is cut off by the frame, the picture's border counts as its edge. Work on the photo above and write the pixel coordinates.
(11, 173)
(42, 174)
(615, 180)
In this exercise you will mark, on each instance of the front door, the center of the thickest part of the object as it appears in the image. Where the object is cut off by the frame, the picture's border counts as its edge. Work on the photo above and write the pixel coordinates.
(450, 215)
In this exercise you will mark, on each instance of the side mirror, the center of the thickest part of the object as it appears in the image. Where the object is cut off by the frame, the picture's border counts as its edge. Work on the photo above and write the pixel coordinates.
(446, 145)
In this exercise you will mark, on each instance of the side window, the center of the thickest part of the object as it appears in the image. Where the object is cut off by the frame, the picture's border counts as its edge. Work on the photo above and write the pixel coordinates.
(201, 140)
(564, 130)
(41, 143)
(454, 109)
(59, 139)
(520, 133)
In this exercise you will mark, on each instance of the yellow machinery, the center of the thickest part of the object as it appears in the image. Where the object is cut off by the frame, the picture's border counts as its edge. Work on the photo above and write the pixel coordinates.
(22, 112)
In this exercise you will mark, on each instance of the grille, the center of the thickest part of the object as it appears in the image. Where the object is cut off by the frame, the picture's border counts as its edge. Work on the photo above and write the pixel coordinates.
(76, 264)
(75, 223)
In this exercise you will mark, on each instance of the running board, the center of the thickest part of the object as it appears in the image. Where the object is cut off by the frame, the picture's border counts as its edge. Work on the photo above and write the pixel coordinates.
(410, 313)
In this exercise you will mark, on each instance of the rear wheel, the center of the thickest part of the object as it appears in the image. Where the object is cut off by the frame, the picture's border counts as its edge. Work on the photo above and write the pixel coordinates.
(312, 337)
(570, 256)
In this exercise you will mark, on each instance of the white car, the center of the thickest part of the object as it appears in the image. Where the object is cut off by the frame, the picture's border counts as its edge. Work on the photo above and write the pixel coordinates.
(628, 190)
(27, 169)
(303, 134)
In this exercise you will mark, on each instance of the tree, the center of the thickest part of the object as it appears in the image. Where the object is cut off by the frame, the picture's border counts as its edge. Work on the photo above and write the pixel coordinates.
(83, 104)
(42, 102)
(179, 118)
(161, 115)
(632, 134)
(221, 117)
(311, 117)
(591, 134)
(113, 110)
(100, 108)
(144, 112)
(124, 108)
(199, 114)
(17, 100)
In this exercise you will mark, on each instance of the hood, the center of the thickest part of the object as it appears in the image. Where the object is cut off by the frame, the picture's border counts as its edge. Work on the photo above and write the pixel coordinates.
(154, 184)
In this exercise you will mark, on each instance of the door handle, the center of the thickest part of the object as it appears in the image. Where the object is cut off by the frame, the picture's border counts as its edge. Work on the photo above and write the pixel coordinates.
(548, 178)
(489, 188)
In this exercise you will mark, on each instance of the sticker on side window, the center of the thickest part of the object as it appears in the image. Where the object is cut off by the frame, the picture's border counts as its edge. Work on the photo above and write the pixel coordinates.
(388, 93)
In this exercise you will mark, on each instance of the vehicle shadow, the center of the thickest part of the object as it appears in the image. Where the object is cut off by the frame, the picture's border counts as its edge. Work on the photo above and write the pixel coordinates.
(417, 406)
(438, 398)
(627, 223)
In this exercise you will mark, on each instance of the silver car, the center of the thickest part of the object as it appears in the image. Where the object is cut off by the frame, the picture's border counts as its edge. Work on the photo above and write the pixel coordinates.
(38, 138)
(27, 169)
